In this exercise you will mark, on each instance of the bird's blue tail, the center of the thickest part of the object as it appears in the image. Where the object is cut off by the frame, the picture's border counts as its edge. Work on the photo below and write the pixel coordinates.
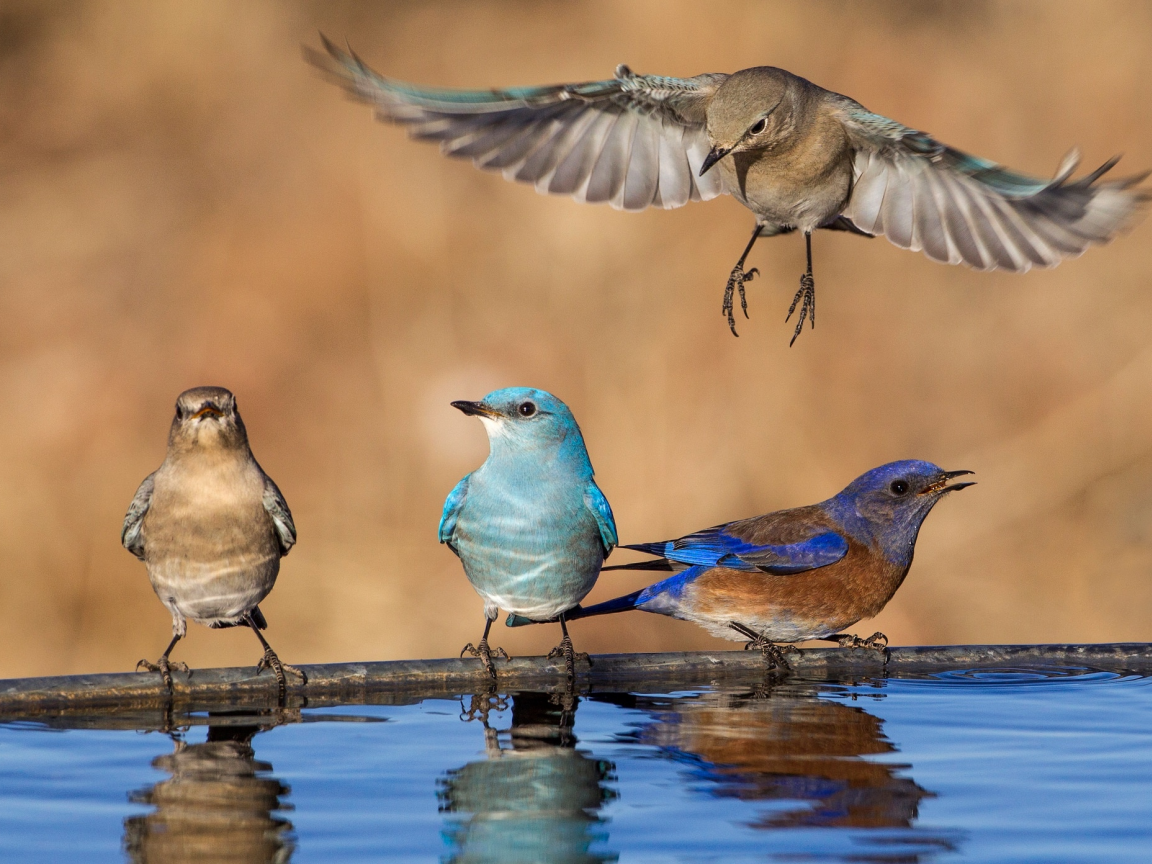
(620, 604)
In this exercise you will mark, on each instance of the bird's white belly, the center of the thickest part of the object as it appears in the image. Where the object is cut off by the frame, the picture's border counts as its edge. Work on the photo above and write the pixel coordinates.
(214, 591)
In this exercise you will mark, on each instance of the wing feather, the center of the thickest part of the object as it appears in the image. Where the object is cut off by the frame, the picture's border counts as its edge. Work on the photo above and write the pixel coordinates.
(132, 534)
(599, 141)
(927, 196)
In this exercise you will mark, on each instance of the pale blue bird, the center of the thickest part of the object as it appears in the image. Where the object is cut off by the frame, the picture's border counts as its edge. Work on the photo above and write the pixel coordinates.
(530, 525)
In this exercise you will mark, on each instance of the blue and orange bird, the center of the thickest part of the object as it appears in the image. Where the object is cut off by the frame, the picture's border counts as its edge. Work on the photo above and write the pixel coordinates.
(799, 574)
(530, 525)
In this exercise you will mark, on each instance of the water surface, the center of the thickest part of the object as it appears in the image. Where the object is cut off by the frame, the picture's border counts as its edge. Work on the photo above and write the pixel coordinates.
(1026, 765)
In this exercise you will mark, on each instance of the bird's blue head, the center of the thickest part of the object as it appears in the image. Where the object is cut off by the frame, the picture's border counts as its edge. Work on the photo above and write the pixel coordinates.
(519, 419)
(888, 504)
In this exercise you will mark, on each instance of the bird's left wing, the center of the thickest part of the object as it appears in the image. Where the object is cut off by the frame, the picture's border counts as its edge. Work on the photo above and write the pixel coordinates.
(715, 547)
(131, 535)
(598, 505)
(451, 512)
(926, 196)
(277, 508)
(634, 141)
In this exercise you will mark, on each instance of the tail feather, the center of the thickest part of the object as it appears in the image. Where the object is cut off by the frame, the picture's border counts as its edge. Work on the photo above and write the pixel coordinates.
(658, 564)
(620, 604)
(650, 548)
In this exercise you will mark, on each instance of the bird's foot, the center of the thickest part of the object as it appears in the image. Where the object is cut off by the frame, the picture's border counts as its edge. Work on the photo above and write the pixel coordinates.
(736, 282)
(271, 661)
(806, 297)
(773, 653)
(570, 655)
(485, 654)
(876, 642)
(164, 666)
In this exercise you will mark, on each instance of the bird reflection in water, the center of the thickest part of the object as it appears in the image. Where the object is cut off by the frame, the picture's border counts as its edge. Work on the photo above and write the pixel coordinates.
(789, 745)
(534, 797)
(217, 806)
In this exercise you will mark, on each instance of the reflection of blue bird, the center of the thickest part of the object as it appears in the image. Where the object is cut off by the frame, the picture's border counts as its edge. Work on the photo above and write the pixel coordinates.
(792, 575)
(530, 526)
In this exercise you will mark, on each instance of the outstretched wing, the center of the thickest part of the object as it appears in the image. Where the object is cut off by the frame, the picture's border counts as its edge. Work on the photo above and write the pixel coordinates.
(131, 535)
(716, 548)
(926, 196)
(598, 505)
(634, 141)
(277, 508)
(452, 505)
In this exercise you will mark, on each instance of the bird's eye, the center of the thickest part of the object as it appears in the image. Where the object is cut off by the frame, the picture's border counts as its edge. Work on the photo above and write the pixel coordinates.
(527, 409)
(899, 487)
(759, 126)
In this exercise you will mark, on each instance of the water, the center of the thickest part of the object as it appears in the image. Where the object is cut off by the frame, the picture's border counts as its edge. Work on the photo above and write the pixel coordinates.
(1036, 766)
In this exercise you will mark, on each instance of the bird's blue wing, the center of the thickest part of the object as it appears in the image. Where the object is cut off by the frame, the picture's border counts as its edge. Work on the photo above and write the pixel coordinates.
(714, 547)
(784, 560)
(595, 501)
(633, 141)
(452, 505)
(958, 208)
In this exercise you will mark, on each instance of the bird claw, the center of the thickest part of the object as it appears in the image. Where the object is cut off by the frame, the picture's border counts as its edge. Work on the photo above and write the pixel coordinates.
(736, 282)
(485, 654)
(876, 642)
(565, 650)
(807, 292)
(164, 666)
(271, 661)
(773, 653)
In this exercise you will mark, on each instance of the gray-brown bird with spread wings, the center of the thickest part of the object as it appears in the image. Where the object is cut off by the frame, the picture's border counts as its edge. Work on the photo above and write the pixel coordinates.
(211, 526)
(796, 155)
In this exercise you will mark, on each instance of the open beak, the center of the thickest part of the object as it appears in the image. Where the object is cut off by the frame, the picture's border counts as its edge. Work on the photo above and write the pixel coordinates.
(476, 409)
(206, 409)
(941, 486)
(714, 156)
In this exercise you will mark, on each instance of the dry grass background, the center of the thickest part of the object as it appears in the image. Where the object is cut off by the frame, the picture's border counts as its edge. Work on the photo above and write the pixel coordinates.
(184, 202)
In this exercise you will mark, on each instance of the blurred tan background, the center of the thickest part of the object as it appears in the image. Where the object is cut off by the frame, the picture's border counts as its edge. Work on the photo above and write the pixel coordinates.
(185, 202)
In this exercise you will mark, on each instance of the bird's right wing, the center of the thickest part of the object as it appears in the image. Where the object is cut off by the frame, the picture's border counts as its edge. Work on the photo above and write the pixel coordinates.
(452, 505)
(926, 196)
(277, 508)
(131, 535)
(714, 547)
(634, 141)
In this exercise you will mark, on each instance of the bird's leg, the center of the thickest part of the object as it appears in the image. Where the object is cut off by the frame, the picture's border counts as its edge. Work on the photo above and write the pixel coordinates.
(736, 280)
(483, 652)
(164, 666)
(565, 650)
(773, 653)
(877, 642)
(807, 292)
(271, 661)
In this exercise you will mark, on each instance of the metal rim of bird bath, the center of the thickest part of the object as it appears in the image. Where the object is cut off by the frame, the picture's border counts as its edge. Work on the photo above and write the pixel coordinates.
(130, 694)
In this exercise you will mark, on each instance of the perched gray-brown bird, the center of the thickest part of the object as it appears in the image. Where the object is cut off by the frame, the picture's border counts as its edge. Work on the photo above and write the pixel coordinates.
(798, 156)
(211, 527)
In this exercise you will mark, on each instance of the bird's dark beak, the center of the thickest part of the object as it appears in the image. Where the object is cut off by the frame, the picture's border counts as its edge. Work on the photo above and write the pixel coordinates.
(206, 409)
(475, 409)
(941, 483)
(714, 156)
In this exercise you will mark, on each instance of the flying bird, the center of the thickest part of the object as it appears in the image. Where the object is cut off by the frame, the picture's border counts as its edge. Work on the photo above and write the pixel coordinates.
(794, 575)
(530, 525)
(798, 156)
(211, 527)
